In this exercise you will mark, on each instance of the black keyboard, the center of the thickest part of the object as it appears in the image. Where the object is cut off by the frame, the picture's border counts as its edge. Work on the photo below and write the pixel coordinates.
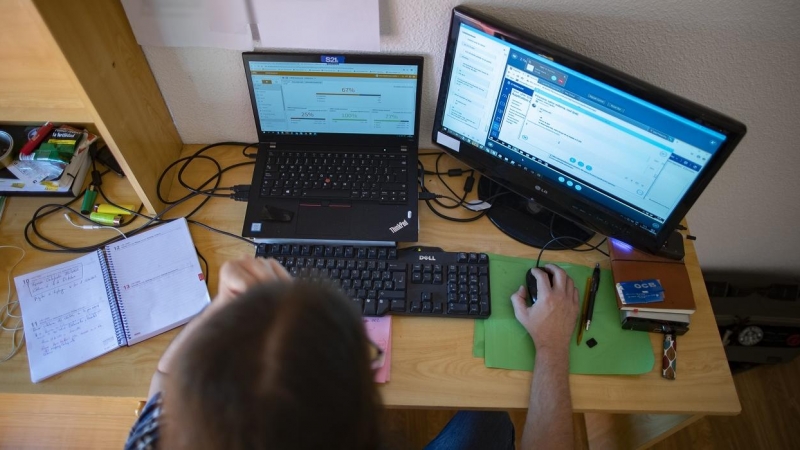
(376, 177)
(385, 280)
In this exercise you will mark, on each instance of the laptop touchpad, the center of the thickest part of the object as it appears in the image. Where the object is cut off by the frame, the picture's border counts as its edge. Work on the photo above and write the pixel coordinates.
(324, 220)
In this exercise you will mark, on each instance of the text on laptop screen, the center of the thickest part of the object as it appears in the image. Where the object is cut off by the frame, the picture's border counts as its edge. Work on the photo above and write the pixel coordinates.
(311, 98)
(604, 144)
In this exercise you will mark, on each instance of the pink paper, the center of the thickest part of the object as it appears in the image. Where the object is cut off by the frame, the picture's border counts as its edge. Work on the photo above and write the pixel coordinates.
(379, 330)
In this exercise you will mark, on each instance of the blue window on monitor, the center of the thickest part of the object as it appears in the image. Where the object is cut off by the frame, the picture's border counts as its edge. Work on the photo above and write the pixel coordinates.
(612, 148)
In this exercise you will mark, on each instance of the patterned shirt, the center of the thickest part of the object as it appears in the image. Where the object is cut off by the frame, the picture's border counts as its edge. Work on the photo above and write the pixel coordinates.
(145, 432)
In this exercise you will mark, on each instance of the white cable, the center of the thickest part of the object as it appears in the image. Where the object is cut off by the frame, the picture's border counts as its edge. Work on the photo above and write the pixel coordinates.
(7, 312)
(92, 227)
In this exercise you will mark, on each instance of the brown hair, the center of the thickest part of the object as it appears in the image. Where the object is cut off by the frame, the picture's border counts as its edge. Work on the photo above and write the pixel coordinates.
(285, 365)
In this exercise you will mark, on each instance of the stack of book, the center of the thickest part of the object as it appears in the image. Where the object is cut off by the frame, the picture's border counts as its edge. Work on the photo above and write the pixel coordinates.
(665, 307)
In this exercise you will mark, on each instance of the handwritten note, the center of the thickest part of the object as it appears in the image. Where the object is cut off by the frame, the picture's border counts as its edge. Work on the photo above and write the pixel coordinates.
(66, 314)
(78, 310)
(54, 282)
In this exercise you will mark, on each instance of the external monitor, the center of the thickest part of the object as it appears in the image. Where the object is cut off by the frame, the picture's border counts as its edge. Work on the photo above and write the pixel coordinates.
(604, 151)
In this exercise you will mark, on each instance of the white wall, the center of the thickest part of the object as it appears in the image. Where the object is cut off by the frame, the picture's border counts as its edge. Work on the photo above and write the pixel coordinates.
(741, 57)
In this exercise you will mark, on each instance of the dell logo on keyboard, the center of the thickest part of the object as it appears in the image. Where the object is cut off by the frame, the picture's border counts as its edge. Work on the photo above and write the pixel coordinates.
(427, 258)
(399, 226)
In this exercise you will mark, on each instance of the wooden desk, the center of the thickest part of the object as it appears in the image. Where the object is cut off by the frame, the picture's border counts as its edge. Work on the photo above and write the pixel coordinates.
(432, 363)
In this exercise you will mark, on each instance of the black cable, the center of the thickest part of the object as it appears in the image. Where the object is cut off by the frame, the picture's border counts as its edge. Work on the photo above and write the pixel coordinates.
(463, 197)
(421, 182)
(216, 230)
(538, 258)
(48, 209)
(198, 190)
(582, 241)
(249, 155)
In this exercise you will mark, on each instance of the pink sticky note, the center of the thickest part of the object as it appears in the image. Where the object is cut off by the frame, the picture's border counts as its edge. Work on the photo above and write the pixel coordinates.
(379, 330)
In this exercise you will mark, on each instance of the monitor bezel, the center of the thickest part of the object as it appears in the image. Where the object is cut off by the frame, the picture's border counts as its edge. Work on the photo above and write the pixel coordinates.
(561, 199)
(336, 138)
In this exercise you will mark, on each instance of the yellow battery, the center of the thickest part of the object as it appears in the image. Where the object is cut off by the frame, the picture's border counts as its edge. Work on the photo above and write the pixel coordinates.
(105, 208)
(105, 219)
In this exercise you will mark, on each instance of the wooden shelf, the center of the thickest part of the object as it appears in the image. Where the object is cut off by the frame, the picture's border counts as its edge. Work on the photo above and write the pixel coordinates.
(81, 65)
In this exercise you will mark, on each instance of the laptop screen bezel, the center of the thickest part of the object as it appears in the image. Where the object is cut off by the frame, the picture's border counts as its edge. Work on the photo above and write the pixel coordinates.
(336, 138)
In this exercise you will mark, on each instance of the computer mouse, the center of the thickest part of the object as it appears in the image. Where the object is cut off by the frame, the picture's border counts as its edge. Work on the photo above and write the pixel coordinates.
(533, 290)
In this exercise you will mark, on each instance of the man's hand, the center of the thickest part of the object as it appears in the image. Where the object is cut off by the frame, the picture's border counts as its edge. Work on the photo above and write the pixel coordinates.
(551, 320)
(238, 275)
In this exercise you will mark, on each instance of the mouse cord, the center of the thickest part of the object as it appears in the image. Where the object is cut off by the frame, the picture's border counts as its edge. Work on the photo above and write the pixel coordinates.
(582, 241)
(560, 238)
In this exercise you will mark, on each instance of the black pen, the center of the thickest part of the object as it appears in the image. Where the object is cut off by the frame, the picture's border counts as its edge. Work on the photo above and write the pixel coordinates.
(592, 294)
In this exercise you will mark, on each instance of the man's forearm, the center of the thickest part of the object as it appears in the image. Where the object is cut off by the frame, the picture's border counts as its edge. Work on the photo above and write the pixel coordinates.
(549, 421)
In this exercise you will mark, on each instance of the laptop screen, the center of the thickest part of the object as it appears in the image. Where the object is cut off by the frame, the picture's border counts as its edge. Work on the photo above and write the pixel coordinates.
(310, 98)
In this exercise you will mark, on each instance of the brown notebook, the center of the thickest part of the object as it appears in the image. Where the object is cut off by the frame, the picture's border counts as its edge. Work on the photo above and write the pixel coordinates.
(629, 264)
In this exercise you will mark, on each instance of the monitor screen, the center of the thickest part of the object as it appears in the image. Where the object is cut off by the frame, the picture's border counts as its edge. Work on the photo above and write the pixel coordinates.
(584, 140)
(309, 98)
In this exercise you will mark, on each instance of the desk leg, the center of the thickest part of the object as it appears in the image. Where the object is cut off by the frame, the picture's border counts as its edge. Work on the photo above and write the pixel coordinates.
(579, 429)
(633, 431)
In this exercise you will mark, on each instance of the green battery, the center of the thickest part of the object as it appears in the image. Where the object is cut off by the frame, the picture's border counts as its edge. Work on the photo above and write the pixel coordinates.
(88, 200)
(105, 219)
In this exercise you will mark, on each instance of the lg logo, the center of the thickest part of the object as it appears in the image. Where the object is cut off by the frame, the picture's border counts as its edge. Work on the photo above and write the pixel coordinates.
(540, 189)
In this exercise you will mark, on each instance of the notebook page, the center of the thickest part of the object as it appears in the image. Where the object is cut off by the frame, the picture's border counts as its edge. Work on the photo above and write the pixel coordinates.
(158, 280)
(66, 315)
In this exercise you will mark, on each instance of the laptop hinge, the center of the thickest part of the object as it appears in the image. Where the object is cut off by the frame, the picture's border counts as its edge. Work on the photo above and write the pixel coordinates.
(272, 145)
(403, 148)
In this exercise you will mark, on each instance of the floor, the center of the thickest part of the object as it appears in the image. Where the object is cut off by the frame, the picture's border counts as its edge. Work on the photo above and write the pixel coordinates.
(770, 397)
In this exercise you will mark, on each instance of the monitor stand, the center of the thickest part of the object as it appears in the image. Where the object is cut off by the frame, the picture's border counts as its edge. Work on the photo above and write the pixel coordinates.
(529, 222)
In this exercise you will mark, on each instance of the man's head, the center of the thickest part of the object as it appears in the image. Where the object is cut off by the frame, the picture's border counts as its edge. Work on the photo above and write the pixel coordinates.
(285, 365)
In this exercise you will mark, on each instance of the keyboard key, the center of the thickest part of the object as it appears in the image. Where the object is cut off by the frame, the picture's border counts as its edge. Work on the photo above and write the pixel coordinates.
(370, 307)
(457, 308)
(398, 305)
(383, 307)
(392, 295)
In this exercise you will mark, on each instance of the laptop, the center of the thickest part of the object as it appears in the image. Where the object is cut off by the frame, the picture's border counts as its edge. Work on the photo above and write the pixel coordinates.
(338, 142)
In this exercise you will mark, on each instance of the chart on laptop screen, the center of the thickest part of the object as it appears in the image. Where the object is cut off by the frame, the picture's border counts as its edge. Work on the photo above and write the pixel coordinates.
(311, 98)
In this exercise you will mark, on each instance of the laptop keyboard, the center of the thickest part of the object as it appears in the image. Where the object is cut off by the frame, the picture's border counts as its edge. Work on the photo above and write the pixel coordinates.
(372, 177)
(381, 280)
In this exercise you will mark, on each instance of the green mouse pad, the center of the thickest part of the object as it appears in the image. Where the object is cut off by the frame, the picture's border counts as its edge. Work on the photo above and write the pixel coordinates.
(505, 344)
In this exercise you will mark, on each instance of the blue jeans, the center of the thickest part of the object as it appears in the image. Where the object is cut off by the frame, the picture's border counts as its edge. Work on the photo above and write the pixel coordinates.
(476, 430)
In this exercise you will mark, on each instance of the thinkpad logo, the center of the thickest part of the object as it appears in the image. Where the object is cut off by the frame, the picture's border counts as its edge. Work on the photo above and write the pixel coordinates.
(399, 226)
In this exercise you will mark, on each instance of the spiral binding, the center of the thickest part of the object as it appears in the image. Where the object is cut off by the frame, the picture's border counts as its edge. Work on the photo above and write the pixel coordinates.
(112, 288)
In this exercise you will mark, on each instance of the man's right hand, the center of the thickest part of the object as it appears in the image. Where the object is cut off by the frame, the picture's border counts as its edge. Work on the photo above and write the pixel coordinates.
(551, 320)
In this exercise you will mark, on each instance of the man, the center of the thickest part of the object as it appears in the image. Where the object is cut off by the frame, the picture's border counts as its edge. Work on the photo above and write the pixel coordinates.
(277, 363)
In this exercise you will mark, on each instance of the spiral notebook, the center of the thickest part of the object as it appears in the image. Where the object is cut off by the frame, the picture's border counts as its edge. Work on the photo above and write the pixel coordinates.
(129, 291)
